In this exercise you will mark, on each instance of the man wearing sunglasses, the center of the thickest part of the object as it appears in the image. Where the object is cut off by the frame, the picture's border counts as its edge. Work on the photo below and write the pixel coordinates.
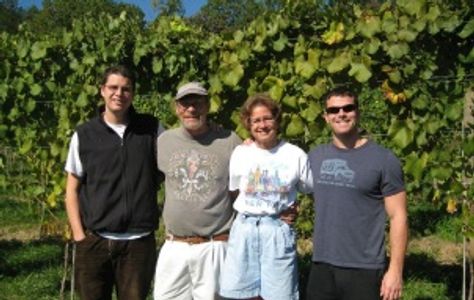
(357, 186)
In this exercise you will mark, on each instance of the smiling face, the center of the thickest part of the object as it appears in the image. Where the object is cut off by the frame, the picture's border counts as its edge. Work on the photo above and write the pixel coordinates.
(263, 127)
(342, 115)
(117, 93)
(192, 111)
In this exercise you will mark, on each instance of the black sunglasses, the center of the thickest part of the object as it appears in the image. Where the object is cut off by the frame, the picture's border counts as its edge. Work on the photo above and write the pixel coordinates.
(346, 108)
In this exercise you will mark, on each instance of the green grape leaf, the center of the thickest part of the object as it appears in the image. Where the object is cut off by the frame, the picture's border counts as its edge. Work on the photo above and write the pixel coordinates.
(232, 75)
(397, 50)
(360, 72)
(312, 111)
(157, 65)
(368, 26)
(467, 30)
(401, 133)
(281, 43)
(295, 127)
(38, 50)
(35, 89)
(340, 62)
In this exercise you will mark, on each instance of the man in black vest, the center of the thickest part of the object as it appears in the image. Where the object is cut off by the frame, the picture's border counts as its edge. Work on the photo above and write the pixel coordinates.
(111, 189)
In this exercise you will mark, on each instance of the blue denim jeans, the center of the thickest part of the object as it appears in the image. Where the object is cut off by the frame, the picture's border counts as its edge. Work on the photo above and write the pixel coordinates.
(101, 264)
(260, 260)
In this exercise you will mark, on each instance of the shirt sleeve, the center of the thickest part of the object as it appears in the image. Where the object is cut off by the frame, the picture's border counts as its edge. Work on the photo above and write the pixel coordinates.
(392, 176)
(305, 184)
(160, 130)
(73, 162)
(234, 174)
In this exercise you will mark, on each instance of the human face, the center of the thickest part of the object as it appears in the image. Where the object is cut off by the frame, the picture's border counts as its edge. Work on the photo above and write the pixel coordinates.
(263, 127)
(117, 93)
(341, 115)
(192, 111)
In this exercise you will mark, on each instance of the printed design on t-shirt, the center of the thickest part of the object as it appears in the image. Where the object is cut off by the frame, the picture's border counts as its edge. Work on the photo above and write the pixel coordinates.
(192, 174)
(266, 188)
(336, 172)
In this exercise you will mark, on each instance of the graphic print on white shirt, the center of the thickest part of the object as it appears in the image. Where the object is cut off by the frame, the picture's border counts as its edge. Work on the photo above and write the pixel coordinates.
(336, 172)
(192, 174)
(265, 188)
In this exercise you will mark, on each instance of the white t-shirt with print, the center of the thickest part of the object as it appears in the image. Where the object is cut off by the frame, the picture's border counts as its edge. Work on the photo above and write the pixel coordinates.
(268, 180)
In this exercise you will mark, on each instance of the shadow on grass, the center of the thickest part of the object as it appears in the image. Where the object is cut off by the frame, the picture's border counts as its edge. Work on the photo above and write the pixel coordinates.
(417, 266)
(422, 267)
(19, 258)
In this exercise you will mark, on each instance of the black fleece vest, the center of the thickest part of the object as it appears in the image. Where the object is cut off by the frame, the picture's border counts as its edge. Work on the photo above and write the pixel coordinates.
(120, 182)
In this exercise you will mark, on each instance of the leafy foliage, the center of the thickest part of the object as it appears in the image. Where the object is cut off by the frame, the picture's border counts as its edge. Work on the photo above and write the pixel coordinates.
(60, 14)
(411, 63)
(225, 16)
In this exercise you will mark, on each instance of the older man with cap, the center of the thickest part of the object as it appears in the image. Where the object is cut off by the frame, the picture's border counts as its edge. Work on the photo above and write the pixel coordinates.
(198, 209)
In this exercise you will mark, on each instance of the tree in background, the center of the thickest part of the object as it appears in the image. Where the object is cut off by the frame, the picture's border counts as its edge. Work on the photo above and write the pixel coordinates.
(227, 15)
(169, 7)
(59, 14)
(10, 15)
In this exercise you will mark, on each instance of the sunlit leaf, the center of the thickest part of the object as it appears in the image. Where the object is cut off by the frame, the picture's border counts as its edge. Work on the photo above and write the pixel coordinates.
(441, 173)
(415, 165)
(454, 111)
(30, 106)
(312, 111)
(368, 26)
(280, 44)
(157, 65)
(397, 50)
(290, 101)
(468, 146)
(401, 133)
(467, 30)
(82, 100)
(360, 72)
(295, 127)
(340, 62)
(335, 34)
(35, 89)
(38, 50)
(411, 7)
(451, 205)
(232, 76)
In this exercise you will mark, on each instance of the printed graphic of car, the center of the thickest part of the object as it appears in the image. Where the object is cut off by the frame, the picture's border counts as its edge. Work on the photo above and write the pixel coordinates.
(336, 170)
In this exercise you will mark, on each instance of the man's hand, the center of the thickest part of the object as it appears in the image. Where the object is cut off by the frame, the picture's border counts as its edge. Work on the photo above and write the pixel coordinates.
(391, 287)
(289, 215)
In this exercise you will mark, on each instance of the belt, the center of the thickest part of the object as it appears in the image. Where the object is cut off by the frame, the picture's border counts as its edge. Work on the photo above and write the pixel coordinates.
(198, 239)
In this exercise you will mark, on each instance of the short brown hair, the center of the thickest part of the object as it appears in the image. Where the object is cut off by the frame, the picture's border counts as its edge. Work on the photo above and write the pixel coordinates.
(257, 100)
(118, 70)
(341, 91)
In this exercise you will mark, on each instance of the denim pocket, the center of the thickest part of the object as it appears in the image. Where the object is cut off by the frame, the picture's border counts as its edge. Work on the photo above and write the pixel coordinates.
(288, 234)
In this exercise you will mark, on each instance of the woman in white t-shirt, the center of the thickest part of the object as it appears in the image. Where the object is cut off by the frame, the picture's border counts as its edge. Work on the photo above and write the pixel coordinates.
(261, 256)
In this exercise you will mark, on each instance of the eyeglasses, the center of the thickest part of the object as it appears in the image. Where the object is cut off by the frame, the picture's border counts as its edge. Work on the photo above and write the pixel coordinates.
(115, 88)
(188, 102)
(264, 119)
(346, 108)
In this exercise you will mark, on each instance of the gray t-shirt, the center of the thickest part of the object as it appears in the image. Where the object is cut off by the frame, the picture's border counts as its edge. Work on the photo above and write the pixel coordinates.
(197, 198)
(349, 190)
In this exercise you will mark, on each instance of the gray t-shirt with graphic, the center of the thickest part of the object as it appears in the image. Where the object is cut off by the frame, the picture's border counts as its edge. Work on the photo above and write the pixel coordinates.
(197, 198)
(349, 190)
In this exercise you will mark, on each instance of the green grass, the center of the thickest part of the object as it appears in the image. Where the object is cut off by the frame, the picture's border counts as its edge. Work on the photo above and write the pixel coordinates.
(33, 269)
